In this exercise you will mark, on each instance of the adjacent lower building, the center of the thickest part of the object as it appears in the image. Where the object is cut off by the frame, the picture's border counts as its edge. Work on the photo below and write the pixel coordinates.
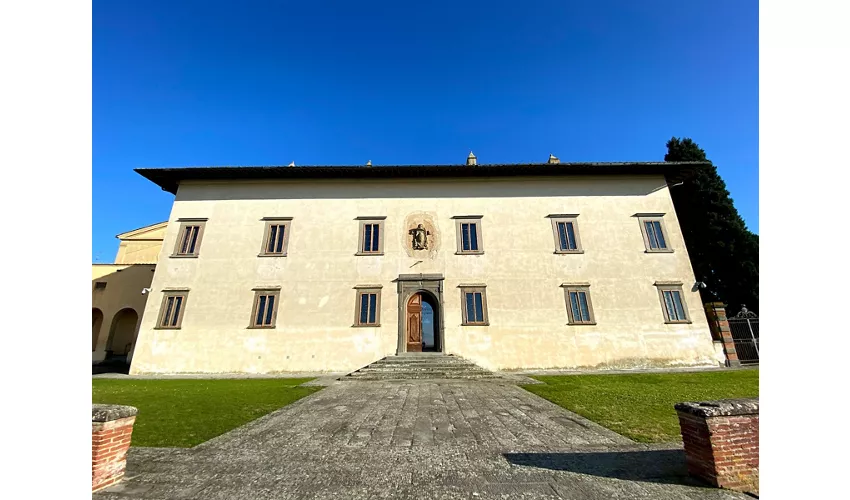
(119, 292)
(329, 268)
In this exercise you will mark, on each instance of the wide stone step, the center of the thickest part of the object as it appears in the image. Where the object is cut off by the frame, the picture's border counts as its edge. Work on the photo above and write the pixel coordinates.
(420, 361)
(421, 366)
(390, 368)
(419, 376)
(420, 372)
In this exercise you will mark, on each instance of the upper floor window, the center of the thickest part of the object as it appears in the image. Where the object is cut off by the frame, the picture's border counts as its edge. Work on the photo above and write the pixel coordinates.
(469, 239)
(672, 302)
(276, 236)
(474, 305)
(171, 310)
(264, 313)
(189, 237)
(654, 233)
(371, 236)
(565, 229)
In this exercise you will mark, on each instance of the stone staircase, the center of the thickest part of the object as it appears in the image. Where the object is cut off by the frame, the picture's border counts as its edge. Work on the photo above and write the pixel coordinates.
(421, 366)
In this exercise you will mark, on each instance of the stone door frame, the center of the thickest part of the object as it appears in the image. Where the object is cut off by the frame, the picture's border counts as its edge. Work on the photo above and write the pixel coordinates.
(409, 284)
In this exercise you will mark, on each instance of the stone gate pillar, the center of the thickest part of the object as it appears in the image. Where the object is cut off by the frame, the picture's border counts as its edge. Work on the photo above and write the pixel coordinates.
(715, 312)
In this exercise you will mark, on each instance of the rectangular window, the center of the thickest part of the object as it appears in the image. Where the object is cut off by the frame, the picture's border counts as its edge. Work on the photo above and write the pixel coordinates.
(579, 306)
(100, 285)
(171, 311)
(371, 236)
(368, 312)
(565, 228)
(469, 235)
(264, 313)
(276, 238)
(189, 237)
(654, 232)
(673, 303)
(474, 305)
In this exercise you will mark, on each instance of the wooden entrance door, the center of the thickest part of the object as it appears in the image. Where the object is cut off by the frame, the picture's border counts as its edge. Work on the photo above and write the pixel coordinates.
(414, 323)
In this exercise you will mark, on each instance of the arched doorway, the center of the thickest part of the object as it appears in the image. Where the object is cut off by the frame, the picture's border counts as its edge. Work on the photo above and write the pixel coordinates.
(122, 333)
(422, 331)
(96, 323)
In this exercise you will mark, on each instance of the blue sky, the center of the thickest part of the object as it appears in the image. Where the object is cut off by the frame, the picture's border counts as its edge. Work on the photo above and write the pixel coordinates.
(193, 83)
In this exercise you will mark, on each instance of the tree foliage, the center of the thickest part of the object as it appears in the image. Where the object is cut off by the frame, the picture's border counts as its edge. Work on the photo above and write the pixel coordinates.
(723, 252)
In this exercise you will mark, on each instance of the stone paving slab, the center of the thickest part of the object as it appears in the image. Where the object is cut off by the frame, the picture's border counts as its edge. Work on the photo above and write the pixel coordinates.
(410, 440)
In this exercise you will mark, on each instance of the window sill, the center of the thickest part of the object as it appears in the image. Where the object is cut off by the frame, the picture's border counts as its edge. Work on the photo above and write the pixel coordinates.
(271, 255)
(582, 324)
(567, 252)
(366, 326)
(669, 250)
(181, 256)
(369, 253)
(480, 252)
(166, 328)
(272, 327)
(475, 324)
(688, 322)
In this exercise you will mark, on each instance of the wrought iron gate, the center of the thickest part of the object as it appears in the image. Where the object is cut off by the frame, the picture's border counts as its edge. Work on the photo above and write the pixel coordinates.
(745, 333)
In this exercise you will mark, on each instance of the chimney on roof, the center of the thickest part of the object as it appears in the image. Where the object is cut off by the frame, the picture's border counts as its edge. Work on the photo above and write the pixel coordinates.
(471, 160)
(553, 159)
(291, 164)
(369, 163)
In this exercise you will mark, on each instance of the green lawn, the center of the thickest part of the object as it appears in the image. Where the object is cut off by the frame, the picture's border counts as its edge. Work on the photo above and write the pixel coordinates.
(640, 406)
(184, 413)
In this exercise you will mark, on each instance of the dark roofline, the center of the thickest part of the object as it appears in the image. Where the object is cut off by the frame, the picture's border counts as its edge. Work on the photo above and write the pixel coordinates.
(170, 178)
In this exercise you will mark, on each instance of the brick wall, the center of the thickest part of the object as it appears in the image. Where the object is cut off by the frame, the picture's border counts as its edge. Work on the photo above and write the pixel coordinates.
(721, 441)
(111, 432)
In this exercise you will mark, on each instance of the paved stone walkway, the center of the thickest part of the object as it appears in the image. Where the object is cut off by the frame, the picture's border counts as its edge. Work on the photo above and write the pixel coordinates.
(412, 440)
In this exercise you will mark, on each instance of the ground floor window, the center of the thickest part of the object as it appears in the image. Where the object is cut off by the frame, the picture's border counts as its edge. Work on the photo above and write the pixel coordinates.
(264, 314)
(579, 307)
(673, 303)
(172, 309)
(368, 307)
(474, 304)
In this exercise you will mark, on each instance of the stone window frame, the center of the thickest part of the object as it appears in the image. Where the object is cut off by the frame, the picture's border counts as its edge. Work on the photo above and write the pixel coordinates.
(186, 223)
(479, 237)
(265, 292)
(379, 220)
(367, 290)
(568, 219)
(286, 223)
(474, 288)
(177, 323)
(582, 287)
(654, 217)
(672, 286)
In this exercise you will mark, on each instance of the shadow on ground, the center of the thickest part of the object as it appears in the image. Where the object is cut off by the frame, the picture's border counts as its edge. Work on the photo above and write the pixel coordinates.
(653, 466)
(110, 367)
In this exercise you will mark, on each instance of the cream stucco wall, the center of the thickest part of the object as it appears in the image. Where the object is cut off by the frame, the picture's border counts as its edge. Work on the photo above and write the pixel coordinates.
(527, 310)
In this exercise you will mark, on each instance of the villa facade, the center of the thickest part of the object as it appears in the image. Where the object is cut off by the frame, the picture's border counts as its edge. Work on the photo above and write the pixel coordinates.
(530, 266)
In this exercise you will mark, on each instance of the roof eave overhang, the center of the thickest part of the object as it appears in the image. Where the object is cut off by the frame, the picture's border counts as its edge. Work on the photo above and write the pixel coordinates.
(169, 179)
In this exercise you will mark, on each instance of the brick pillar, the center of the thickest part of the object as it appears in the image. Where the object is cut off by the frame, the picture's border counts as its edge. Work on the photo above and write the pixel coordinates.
(111, 429)
(715, 312)
(722, 442)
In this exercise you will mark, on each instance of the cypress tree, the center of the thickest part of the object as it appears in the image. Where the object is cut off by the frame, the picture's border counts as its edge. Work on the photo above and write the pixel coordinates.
(723, 252)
